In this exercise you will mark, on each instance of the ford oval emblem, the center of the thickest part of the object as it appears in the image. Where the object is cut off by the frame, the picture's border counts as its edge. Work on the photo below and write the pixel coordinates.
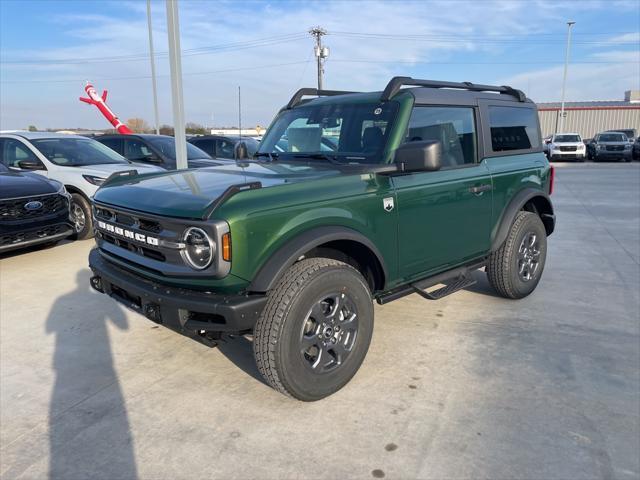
(32, 206)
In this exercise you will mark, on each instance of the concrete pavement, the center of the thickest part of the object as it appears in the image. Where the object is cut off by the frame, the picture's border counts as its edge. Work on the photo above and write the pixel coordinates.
(467, 387)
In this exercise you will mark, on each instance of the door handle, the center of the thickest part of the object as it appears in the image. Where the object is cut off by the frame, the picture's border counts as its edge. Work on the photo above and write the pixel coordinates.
(478, 190)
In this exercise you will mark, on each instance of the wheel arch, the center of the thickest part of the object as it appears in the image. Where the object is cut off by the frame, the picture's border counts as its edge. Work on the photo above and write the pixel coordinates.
(339, 243)
(73, 189)
(530, 200)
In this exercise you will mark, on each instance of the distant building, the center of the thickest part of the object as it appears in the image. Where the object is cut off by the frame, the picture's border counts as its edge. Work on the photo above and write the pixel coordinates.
(589, 118)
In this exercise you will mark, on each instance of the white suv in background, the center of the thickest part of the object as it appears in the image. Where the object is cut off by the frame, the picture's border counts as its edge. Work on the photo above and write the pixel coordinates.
(567, 146)
(80, 163)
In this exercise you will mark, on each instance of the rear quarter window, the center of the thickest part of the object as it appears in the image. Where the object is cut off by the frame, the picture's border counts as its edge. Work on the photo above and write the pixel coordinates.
(513, 128)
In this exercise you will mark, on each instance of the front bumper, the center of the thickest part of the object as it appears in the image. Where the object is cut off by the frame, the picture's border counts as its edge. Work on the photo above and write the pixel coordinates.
(613, 155)
(189, 312)
(558, 155)
(21, 238)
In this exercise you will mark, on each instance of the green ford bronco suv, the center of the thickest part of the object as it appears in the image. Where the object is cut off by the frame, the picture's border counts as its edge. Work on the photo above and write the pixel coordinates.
(350, 197)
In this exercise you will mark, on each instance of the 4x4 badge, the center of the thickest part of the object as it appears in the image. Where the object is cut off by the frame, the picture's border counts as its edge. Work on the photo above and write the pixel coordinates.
(387, 203)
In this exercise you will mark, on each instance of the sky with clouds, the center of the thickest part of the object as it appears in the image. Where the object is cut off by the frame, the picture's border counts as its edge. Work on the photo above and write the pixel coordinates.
(48, 49)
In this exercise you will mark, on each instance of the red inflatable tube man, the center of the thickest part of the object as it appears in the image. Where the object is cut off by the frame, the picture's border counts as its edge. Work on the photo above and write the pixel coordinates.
(100, 103)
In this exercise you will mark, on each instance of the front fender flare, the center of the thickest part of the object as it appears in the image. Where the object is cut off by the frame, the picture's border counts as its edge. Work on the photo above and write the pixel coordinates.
(271, 271)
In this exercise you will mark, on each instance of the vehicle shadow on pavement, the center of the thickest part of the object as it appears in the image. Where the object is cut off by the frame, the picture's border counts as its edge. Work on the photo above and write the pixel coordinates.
(239, 351)
(89, 434)
(482, 285)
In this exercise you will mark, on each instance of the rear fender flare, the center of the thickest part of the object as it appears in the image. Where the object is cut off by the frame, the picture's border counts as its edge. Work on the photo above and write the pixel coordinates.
(515, 205)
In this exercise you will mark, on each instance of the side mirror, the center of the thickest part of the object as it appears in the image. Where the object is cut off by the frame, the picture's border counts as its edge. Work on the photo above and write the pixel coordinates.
(31, 165)
(241, 151)
(423, 156)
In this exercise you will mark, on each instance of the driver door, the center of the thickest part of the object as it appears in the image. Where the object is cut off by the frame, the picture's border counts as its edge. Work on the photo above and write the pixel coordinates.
(445, 215)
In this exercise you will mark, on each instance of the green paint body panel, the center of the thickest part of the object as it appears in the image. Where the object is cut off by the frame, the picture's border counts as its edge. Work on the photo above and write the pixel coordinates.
(437, 223)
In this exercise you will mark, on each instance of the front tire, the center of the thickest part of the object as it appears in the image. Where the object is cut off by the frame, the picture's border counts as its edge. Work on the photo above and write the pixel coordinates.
(315, 329)
(82, 219)
(514, 270)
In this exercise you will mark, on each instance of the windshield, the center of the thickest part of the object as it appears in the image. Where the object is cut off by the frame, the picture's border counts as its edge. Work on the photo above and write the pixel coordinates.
(629, 133)
(76, 152)
(612, 137)
(567, 138)
(341, 132)
(167, 146)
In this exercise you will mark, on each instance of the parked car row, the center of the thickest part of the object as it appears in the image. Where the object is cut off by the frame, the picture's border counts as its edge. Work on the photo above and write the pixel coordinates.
(621, 145)
(33, 163)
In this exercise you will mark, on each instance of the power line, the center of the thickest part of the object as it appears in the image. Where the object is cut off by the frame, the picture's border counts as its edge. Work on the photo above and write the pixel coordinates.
(262, 42)
(138, 77)
(436, 62)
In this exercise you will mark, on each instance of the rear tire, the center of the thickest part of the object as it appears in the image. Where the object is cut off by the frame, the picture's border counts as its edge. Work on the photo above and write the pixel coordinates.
(315, 329)
(81, 213)
(514, 270)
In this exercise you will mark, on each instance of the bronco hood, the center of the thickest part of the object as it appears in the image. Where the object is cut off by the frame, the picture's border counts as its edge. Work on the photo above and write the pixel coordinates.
(193, 193)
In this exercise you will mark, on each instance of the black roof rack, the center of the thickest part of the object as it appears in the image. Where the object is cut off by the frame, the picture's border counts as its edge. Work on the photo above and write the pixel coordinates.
(312, 91)
(396, 83)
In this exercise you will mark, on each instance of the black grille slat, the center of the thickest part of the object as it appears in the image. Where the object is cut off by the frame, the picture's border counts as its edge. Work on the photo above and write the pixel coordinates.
(14, 209)
(20, 237)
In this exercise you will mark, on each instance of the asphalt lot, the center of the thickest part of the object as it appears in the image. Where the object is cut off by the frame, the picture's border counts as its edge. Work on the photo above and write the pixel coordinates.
(471, 386)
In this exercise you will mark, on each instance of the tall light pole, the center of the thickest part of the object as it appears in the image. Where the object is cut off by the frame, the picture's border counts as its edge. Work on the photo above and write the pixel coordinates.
(153, 70)
(321, 52)
(564, 76)
(175, 63)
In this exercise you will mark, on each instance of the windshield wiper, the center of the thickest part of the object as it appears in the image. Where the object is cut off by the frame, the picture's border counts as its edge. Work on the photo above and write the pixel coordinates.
(271, 156)
(320, 156)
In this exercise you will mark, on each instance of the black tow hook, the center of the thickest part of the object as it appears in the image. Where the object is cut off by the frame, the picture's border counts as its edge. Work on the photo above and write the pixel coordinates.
(152, 312)
(96, 283)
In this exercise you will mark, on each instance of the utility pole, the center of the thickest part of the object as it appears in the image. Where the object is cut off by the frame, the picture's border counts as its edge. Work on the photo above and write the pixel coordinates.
(321, 52)
(564, 76)
(239, 114)
(175, 63)
(153, 70)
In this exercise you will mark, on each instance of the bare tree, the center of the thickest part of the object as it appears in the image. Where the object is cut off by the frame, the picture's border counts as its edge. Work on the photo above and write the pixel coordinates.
(137, 125)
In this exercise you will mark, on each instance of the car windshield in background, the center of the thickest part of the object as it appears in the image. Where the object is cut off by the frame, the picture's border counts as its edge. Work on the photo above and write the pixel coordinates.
(567, 139)
(77, 152)
(167, 146)
(613, 137)
(3, 169)
(346, 133)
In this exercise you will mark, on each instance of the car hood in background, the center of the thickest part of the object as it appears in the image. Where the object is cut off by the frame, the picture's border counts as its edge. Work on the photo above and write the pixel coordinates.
(22, 184)
(206, 162)
(567, 144)
(190, 193)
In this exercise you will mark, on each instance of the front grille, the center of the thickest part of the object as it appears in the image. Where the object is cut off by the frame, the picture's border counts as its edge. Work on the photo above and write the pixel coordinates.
(568, 149)
(128, 220)
(21, 237)
(15, 209)
(133, 247)
(615, 148)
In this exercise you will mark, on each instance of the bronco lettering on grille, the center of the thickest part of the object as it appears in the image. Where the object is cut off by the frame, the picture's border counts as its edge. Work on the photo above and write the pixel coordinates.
(139, 237)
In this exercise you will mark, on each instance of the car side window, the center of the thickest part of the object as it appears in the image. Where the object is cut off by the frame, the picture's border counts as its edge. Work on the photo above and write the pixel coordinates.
(513, 128)
(453, 127)
(114, 144)
(225, 148)
(14, 151)
(207, 145)
(136, 150)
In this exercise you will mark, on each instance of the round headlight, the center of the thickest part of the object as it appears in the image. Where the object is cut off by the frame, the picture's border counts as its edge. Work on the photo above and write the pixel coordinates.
(199, 249)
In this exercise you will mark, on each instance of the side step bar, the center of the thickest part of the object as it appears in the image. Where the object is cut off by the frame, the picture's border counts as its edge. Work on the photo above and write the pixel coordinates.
(457, 284)
(454, 280)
